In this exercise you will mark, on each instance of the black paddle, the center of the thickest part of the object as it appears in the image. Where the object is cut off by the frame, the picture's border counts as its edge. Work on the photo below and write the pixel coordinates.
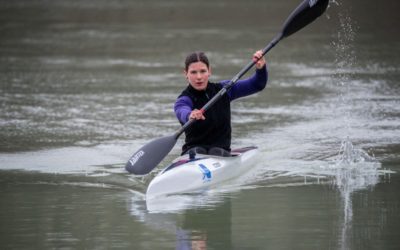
(151, 154)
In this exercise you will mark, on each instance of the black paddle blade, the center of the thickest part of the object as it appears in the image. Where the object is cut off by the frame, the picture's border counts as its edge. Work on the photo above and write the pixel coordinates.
(305, 13)
(150, 155)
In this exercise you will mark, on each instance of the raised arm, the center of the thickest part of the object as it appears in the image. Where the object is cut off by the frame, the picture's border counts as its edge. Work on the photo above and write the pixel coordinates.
(249, 86)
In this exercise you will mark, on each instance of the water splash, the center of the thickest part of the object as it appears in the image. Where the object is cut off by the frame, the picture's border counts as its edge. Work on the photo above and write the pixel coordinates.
(345, 59)
(349, 155)
(352, 163)
(355, 169)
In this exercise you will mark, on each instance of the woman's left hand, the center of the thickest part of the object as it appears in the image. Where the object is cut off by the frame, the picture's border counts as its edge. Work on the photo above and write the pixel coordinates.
(261, 60)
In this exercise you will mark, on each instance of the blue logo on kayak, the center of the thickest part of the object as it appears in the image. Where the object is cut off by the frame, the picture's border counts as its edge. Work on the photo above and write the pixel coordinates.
(206, 172)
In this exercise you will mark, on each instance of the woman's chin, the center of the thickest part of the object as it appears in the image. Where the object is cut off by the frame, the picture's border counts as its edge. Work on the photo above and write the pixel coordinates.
(200, 87)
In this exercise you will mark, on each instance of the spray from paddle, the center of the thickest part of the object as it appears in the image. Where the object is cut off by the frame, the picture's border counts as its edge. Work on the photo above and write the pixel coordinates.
(355, 169)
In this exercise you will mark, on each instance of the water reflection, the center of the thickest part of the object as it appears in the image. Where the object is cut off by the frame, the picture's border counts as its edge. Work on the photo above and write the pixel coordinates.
(200, 232)
(191, 218)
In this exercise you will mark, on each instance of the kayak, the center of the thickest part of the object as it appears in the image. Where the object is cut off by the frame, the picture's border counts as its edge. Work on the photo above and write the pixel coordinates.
(188, 174)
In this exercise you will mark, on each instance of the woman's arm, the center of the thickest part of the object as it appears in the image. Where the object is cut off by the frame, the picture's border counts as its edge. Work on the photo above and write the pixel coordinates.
(253, 84)
(183, 107)
(249, 86)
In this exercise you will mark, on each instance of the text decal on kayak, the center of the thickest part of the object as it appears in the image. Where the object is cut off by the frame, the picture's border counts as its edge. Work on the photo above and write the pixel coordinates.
(312, 3)
(206, 172)
(136, 157)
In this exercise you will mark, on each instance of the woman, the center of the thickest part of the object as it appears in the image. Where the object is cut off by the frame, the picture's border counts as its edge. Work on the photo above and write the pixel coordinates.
(211, 134)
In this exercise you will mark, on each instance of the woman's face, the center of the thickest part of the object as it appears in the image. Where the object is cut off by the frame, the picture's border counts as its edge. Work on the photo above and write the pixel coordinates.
(197, 75)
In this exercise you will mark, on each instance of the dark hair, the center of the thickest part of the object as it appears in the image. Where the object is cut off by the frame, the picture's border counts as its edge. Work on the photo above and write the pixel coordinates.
(196, 57)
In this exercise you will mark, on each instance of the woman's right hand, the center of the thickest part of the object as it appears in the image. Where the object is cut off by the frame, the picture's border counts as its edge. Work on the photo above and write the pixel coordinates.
(197, 114)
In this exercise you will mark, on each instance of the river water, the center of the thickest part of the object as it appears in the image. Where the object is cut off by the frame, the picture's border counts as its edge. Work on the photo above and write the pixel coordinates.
(84, 84)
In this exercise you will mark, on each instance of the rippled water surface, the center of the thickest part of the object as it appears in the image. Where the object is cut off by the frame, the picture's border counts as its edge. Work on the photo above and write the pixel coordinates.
(84, 84)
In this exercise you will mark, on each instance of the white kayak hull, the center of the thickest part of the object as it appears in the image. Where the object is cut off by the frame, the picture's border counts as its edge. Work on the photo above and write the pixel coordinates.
(186, 175)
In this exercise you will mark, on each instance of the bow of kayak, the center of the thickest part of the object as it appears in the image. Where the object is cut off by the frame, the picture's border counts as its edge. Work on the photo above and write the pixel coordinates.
(187, 175)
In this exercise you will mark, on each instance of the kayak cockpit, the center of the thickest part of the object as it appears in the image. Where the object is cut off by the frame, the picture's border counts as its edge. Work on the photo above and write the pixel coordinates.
(192, 158)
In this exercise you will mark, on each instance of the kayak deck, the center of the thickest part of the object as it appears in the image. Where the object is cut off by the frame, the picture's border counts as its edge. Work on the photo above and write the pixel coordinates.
(184, 159)
(189, 175)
